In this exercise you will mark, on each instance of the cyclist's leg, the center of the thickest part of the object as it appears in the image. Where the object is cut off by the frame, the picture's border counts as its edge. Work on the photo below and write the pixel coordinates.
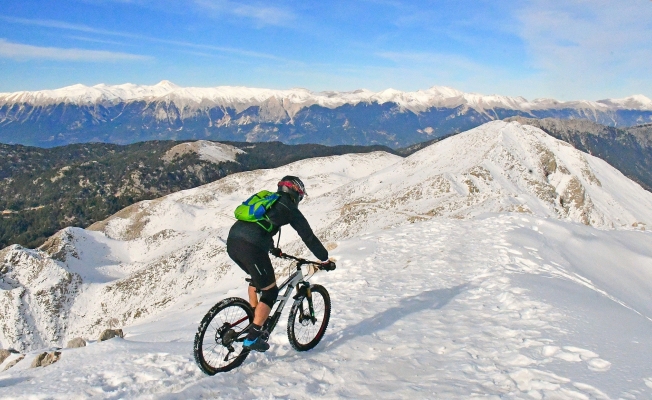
(253, 296)
(265, 304)
(262, 274)
(257, 338)
(254, 262)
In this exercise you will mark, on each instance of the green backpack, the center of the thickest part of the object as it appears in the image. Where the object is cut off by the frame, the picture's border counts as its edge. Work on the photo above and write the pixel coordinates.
(254, 209)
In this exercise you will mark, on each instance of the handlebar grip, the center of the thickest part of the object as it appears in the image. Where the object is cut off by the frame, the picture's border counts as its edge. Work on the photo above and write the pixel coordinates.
(329, 266)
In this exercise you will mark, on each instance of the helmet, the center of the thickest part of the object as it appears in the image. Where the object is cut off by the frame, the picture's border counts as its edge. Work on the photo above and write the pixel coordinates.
(293, 186)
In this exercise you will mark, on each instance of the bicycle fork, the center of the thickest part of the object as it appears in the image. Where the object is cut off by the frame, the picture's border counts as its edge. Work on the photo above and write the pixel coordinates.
(303, 290)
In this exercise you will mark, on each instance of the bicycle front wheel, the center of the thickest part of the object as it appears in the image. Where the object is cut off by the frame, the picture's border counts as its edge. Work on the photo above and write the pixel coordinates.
(218, 342)
(305, 330)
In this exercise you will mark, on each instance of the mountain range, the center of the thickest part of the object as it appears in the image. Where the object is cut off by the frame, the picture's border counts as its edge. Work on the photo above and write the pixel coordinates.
(130, 113)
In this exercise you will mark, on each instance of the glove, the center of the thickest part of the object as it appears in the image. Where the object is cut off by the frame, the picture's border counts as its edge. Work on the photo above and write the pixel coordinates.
(276, 252)
(327, 265)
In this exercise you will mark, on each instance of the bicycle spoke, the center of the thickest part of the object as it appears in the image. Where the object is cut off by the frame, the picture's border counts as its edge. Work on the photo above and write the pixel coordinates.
(304, 329)
(211, 353)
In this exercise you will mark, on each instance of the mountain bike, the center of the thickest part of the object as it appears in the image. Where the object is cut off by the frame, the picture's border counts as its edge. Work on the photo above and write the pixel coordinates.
(218, 341)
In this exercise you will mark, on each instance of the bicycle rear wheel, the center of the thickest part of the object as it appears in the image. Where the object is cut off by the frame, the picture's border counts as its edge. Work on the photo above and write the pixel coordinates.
(304, 331)
(218, 342)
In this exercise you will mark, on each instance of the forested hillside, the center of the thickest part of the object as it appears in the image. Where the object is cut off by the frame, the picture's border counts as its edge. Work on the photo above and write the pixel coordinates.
(44, 190)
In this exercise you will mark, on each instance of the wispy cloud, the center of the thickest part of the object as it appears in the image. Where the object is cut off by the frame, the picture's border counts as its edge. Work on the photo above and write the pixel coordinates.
(588, 46)
(221, 49)
(93, 40)
(48, 23)
(263, 14)
(435, 60)
(443, 69)
(184, 44)
(19, 51)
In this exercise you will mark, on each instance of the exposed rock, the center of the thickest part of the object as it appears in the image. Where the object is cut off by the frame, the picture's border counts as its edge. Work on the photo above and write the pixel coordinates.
(14, 362)
(45, 359)
(60, 246)
(76, 342)
(38, 360)
(4, 354)
(51, 358)
(21, 287)
(110, 334)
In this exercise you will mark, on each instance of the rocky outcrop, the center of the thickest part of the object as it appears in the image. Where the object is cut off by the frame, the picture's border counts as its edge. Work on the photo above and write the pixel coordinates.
(110, 334)
(75, 343)
(4, 354)
(32, 280)
(14, 362)
(627, 149)
(45, 359)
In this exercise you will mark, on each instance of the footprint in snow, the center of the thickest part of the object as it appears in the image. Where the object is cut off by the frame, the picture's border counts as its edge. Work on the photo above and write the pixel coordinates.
(599, 365)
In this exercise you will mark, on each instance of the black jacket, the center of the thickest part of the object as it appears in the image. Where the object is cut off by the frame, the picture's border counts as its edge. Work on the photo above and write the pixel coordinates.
(284, 211)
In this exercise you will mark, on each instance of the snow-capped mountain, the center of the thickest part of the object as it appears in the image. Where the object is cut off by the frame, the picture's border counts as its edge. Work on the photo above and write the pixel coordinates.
(129, 113)
(293, 100)
(434, 252)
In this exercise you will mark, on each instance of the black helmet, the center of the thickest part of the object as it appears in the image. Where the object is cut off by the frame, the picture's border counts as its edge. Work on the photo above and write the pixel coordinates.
(293, 186)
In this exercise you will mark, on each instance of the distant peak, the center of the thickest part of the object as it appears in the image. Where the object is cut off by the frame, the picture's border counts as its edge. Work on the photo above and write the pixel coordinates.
(166, 83)
(75, 86)
(641, 98)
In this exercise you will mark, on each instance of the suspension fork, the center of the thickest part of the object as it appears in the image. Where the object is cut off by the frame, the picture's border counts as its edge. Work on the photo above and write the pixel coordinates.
(303, 290)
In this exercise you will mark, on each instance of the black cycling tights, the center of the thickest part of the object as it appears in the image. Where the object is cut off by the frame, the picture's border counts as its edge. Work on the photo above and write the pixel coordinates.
(253, 260)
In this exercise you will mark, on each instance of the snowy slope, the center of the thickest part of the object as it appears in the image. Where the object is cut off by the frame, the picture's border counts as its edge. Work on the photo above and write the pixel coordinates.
(435, 309)
(497, 262)
(143, 258)
(293, 100)
(140, 261)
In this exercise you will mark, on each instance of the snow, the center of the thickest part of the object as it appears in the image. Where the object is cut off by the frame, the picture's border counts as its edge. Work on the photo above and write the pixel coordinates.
(636, 102)
(290, 101)
(434, 309)
(208, 151)
(460, 274)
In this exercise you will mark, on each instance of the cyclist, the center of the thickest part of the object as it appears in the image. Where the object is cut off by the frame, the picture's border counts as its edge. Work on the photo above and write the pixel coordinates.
(248, 245)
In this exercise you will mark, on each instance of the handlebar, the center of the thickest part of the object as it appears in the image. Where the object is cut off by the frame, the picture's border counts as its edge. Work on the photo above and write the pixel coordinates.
(299, 260)
(303, 261)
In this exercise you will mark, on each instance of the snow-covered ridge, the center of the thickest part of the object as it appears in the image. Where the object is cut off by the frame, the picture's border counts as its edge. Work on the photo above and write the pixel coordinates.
(293, 100)
(471, 268)
(144, 258)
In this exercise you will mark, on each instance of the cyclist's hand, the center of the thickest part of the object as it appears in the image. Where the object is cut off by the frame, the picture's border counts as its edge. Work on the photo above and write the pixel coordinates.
(276, 252)
(327, 265)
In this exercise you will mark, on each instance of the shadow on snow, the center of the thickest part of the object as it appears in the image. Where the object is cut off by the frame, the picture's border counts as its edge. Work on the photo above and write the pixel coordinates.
(428, 300)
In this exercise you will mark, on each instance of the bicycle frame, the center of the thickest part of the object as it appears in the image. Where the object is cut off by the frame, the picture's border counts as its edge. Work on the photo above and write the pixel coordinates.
(296, 280)
(293, 281)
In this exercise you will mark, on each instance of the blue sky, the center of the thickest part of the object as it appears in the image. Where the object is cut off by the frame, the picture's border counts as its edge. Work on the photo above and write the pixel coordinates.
(571, 49)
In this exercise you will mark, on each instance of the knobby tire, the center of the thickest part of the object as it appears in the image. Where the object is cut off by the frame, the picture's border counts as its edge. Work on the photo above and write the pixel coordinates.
(302, 333)
(209, 351)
